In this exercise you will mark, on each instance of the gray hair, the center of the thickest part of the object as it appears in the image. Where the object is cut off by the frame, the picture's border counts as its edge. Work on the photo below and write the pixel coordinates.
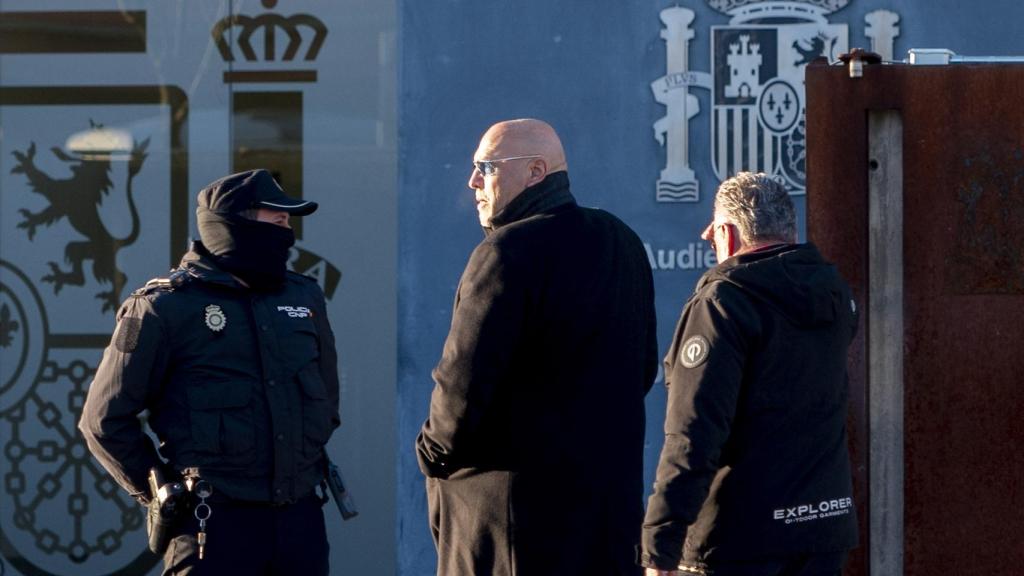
(758, 206)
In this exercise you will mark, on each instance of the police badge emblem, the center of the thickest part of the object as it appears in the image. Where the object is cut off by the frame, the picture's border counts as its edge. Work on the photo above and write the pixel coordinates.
(215, 319)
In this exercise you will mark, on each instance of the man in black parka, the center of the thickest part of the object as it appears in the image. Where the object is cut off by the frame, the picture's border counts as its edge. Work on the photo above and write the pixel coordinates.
(754, 477)
(533, 446)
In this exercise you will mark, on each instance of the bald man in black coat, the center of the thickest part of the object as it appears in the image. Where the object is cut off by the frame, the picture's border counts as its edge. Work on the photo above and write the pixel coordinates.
(533, 449)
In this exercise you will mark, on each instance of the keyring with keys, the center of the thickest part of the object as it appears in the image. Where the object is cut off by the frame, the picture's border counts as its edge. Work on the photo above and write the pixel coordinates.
(203, 490)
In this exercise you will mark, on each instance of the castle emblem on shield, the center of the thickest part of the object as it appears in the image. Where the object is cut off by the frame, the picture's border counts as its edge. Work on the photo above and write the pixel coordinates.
(756, 87)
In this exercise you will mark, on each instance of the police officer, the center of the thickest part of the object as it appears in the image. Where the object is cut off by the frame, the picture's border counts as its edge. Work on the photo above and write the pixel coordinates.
(754, 477)
(234, 359)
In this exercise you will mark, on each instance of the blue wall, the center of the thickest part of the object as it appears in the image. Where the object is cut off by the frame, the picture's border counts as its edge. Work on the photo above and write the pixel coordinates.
(586, 67)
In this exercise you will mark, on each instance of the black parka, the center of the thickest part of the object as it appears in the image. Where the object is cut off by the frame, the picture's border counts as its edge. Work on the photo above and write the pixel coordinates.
(534, 444)
(251, 404)
(755, 462)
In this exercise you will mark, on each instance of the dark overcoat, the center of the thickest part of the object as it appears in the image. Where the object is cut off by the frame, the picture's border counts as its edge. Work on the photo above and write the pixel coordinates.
(533, 449)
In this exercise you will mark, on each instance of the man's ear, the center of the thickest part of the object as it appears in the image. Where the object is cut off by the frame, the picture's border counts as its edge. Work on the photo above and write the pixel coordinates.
(732, 235)
(538, 170)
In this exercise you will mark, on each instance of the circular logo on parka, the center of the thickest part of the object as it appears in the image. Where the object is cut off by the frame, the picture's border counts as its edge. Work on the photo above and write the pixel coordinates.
(694, 351)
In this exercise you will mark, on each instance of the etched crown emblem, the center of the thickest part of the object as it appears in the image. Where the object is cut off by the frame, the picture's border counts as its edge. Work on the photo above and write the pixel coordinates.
(236, 34)
(733, 6)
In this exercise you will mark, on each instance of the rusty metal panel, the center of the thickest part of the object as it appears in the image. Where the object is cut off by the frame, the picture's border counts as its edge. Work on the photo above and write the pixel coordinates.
(837, 186)
(963, 295)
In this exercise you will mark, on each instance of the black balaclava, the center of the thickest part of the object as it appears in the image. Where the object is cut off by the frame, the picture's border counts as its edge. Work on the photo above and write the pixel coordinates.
(257, 252)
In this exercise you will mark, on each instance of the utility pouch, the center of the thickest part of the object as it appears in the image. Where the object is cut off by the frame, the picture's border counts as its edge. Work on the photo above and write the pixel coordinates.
(165, 504)
(341, 495)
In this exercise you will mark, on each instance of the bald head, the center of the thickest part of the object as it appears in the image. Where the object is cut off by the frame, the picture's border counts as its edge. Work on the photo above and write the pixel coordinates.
(523, 137)
(521, 153)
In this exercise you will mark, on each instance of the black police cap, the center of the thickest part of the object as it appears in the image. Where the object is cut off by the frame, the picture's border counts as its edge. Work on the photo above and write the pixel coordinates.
(251, 189)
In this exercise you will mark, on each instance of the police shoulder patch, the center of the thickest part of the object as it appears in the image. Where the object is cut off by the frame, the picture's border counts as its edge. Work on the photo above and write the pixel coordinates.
(127, 337)
(694, 351)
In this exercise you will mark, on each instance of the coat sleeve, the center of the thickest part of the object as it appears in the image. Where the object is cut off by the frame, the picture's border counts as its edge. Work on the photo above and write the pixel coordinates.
(486, 325)
(703, 372)
(126, 383)
(651, 351)
(328, 362)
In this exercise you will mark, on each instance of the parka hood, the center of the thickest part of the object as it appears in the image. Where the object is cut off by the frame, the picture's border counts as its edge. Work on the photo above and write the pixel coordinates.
(793, 278)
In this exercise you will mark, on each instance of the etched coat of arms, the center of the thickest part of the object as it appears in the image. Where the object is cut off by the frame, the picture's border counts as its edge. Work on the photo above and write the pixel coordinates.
(756, 85)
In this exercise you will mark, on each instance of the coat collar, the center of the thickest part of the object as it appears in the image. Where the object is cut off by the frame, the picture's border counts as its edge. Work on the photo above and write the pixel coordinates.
(545, 196)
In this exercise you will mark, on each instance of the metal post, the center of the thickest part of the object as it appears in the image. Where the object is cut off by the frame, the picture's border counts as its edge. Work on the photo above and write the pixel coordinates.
(885, 341)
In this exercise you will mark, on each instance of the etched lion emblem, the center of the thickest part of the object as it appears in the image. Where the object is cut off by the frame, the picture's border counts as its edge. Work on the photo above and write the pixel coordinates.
(78, 199)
